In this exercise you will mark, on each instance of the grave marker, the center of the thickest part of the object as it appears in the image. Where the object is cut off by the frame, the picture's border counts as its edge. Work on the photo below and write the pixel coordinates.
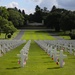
(71, 52)
(55, 52)
(61, 58)
(22, 60)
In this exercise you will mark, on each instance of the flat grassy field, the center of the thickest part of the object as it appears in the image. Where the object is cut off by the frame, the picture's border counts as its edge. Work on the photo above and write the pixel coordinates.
(15, 34)
(38, 63)
(37, 35)
(2, 36)
(66, 37)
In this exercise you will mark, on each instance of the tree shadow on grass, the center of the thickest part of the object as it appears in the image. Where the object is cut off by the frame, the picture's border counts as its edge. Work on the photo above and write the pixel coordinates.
(41, 31)
(54, 68)
(13, 68)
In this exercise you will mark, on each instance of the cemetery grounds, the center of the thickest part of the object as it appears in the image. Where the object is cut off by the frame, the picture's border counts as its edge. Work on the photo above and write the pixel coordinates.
(38, 63)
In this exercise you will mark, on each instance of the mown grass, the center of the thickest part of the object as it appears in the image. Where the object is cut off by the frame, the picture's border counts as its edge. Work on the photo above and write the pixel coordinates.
(64, 35)
(9, 62)
(2, 36)
(38, 63)
(37, 35)
(15, 34)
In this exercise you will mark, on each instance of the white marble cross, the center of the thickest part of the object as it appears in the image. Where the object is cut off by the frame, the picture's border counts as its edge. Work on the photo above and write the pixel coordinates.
(61, 58)
(65, 47)
(22, 58)
(47, 47)
(49, 50)
(70, 49)
(3, 48)
(51, 53)
(55, 52)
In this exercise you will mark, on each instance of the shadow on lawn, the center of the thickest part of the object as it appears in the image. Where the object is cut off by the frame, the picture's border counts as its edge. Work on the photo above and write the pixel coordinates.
(54, 68)
(13, 68)
(41, 31)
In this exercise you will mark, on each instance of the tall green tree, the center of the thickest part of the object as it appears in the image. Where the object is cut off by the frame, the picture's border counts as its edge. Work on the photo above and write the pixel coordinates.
(3, 12)
(67, 21)
(3, 22)
(53, 8)
(6, 26)
(37, 8)
(9, 28)
(38, 14)
(53, 20)
(16, 17)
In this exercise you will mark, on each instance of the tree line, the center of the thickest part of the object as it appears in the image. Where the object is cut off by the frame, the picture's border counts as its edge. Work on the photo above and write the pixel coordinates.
(10, 19)
(56, 18)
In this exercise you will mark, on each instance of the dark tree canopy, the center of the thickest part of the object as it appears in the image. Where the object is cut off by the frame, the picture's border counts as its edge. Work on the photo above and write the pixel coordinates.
(56, 18)
(3, 12)
(16, 17)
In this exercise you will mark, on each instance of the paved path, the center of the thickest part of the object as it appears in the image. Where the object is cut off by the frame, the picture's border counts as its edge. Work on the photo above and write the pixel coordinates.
(58, 37)
(55, 35)
(23, 30)
(20, 34)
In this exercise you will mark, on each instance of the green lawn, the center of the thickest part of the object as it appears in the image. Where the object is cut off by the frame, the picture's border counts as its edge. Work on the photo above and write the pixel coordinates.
(38, 63)
(2, 36)
(9, 62)
(15, 34)
(37, 35)
(66, 37)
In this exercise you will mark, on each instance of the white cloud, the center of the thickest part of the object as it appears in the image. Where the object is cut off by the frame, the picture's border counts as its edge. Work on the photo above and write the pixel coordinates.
(39, 1)
(12, 5)
(68, 4)
(36, 1)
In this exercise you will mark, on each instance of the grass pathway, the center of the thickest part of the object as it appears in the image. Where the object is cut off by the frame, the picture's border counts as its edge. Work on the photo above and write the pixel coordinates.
(9, 62)
(38, 63)
(37, 35)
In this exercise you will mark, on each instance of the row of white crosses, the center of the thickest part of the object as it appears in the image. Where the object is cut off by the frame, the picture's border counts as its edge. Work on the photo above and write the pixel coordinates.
(67, 45)
(7, 45)
(54, 54)
(23, 56)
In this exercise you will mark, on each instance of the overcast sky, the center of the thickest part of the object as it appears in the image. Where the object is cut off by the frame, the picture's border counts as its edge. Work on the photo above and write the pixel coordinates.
(29, 5)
